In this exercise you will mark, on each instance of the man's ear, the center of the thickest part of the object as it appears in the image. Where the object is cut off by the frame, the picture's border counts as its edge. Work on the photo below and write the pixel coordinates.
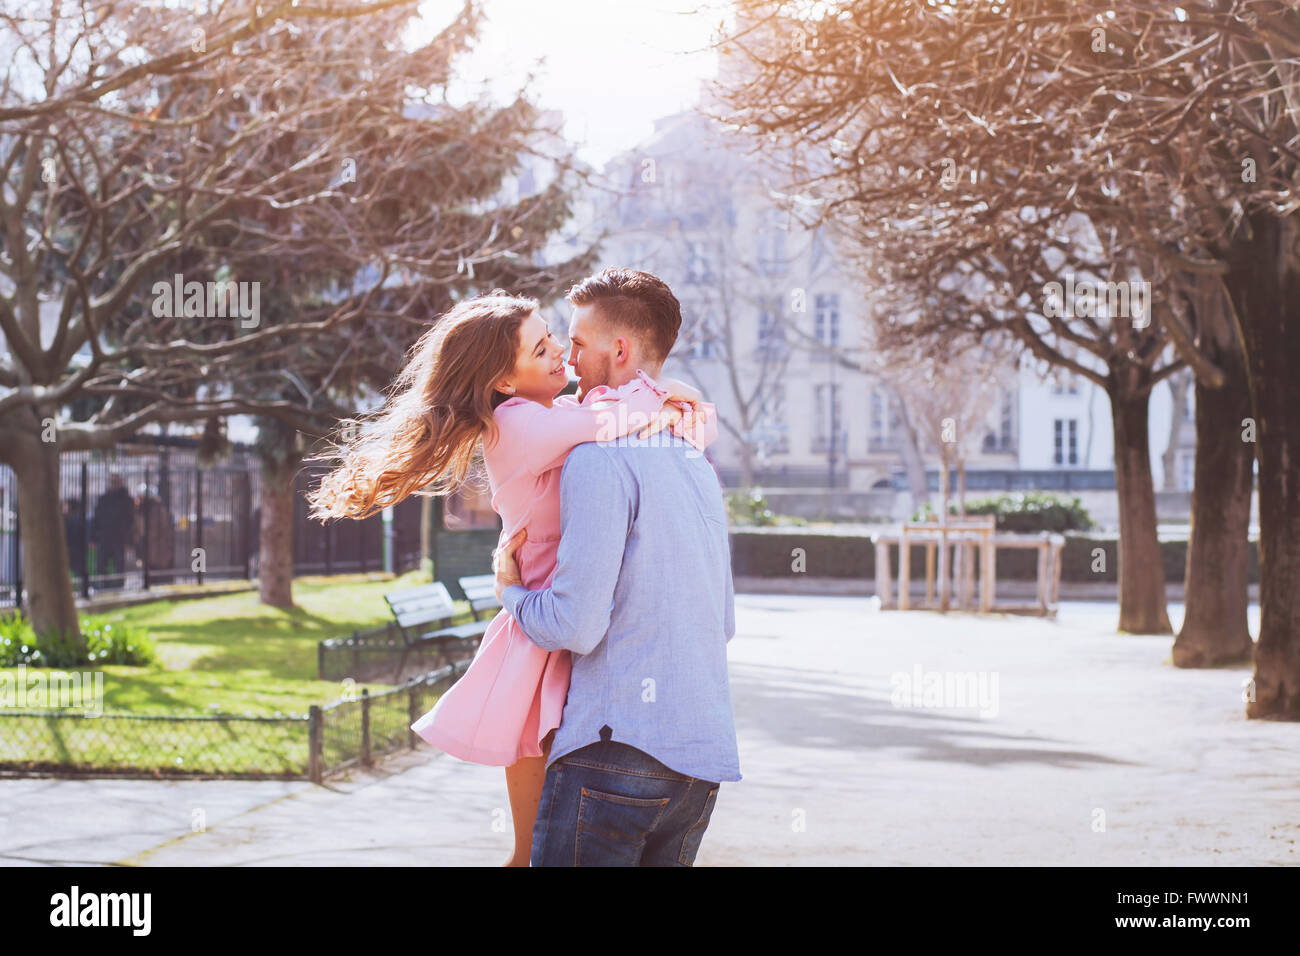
(622, 350)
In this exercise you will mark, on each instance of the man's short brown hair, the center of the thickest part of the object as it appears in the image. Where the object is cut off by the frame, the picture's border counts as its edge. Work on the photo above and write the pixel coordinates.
(636, 302)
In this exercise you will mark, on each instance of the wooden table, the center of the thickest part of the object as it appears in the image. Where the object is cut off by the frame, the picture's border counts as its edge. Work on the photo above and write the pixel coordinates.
(968, 537)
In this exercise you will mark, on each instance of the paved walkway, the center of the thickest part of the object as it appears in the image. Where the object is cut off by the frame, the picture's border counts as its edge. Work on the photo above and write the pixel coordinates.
(1087, 729)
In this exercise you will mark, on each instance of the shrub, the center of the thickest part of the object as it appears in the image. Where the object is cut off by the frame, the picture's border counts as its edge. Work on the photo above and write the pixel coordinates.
(17, 642)
(1035, 511)
(1030, 512)
(118, 643)
(750, 509)
(106, 643)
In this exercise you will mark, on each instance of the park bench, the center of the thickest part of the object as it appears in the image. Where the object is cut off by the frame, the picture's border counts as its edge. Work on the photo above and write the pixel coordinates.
(415, 609)
(480, 591)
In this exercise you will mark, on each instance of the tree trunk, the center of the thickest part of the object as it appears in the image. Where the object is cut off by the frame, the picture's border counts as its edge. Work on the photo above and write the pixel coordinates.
(1141, 573)
(51, 605)
(961, 487)
(1215, 591)
(909, 449)
(275, 553)
(1264, 283)
(746, 464)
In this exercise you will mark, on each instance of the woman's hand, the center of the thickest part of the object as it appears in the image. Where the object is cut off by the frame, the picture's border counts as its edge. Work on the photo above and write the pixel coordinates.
(667, 417)
(687, 399)
(504, 564)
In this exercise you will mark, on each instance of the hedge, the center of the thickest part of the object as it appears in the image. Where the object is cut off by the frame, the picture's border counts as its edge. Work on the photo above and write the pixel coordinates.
(773, 555)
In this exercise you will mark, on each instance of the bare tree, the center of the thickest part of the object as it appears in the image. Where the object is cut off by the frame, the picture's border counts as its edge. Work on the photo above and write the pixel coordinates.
(1171, 132)
(142, 215)
(739, 302)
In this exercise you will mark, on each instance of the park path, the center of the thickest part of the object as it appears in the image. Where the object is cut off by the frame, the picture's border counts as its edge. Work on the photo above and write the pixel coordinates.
(1091, 728)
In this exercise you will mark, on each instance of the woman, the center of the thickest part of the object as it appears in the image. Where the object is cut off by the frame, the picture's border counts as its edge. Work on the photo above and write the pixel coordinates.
(491, 371)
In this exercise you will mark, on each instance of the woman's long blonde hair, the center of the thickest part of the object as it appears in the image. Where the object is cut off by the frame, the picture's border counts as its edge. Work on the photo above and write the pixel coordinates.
(426, 435)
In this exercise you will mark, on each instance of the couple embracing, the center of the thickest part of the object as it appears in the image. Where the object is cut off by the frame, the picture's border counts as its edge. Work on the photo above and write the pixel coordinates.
(601, 686)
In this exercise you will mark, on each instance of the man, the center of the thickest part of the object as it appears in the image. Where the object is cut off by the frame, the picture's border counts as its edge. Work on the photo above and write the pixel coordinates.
(112, 530)
(642, 597)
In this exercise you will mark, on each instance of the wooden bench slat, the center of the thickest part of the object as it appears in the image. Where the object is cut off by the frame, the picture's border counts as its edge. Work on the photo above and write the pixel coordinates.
(424, 607)
(481, 592)
(415, 607)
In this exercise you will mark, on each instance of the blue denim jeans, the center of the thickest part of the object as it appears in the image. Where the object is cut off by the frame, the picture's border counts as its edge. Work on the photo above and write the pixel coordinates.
(610, 804)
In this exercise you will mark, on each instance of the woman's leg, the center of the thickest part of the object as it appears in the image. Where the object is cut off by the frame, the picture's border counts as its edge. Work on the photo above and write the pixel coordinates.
(524, 780)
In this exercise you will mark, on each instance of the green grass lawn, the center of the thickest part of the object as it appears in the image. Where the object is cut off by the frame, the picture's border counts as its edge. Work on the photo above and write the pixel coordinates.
(225, 655)
(233, 655)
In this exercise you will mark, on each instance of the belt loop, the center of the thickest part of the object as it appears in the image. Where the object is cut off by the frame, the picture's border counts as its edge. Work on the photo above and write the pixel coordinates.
(606, 733)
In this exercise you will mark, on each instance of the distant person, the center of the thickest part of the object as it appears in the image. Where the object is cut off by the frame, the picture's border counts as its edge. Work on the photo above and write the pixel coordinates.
(154, 535)
(112, 530)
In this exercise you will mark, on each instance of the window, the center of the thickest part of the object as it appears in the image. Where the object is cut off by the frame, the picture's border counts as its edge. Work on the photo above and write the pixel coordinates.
(698, 265)
(771, 329)
(826, 323)
(773, 432)
(827, 402)
(885, 429)
(1067, 383)
(1065, 446)
(1003, 439)
(771, 243)
(1007, 422)
(701, 339)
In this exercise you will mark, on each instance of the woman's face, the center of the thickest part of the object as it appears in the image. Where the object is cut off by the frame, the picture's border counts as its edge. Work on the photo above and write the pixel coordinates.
(539, 373)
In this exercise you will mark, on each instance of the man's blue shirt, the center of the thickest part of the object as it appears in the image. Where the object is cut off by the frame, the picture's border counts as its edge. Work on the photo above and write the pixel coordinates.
(642, 596)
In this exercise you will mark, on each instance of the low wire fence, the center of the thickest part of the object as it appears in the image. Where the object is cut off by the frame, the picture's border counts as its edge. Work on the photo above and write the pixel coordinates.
(351, 732)
(327, 739)
(382, 654)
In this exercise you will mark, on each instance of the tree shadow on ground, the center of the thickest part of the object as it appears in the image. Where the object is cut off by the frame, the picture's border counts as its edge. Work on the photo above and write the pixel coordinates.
(824, 710)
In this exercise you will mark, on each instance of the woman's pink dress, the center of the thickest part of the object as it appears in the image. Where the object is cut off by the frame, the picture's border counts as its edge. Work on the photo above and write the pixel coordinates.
(512, 695)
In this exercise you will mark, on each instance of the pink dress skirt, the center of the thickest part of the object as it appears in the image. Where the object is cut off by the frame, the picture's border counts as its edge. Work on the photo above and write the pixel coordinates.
(513, 693)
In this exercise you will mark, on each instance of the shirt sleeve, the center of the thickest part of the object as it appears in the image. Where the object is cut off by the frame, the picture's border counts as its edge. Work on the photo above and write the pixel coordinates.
(543, 436)
(596, 510)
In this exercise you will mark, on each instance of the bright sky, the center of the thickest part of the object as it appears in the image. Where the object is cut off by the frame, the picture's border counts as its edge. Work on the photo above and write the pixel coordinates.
(611, 66)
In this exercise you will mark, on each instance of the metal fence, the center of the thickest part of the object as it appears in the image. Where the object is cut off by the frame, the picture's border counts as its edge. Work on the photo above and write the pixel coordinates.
(327, 739)
(1015, 479)
(146, 513)
(351, 732)
(383, 654)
